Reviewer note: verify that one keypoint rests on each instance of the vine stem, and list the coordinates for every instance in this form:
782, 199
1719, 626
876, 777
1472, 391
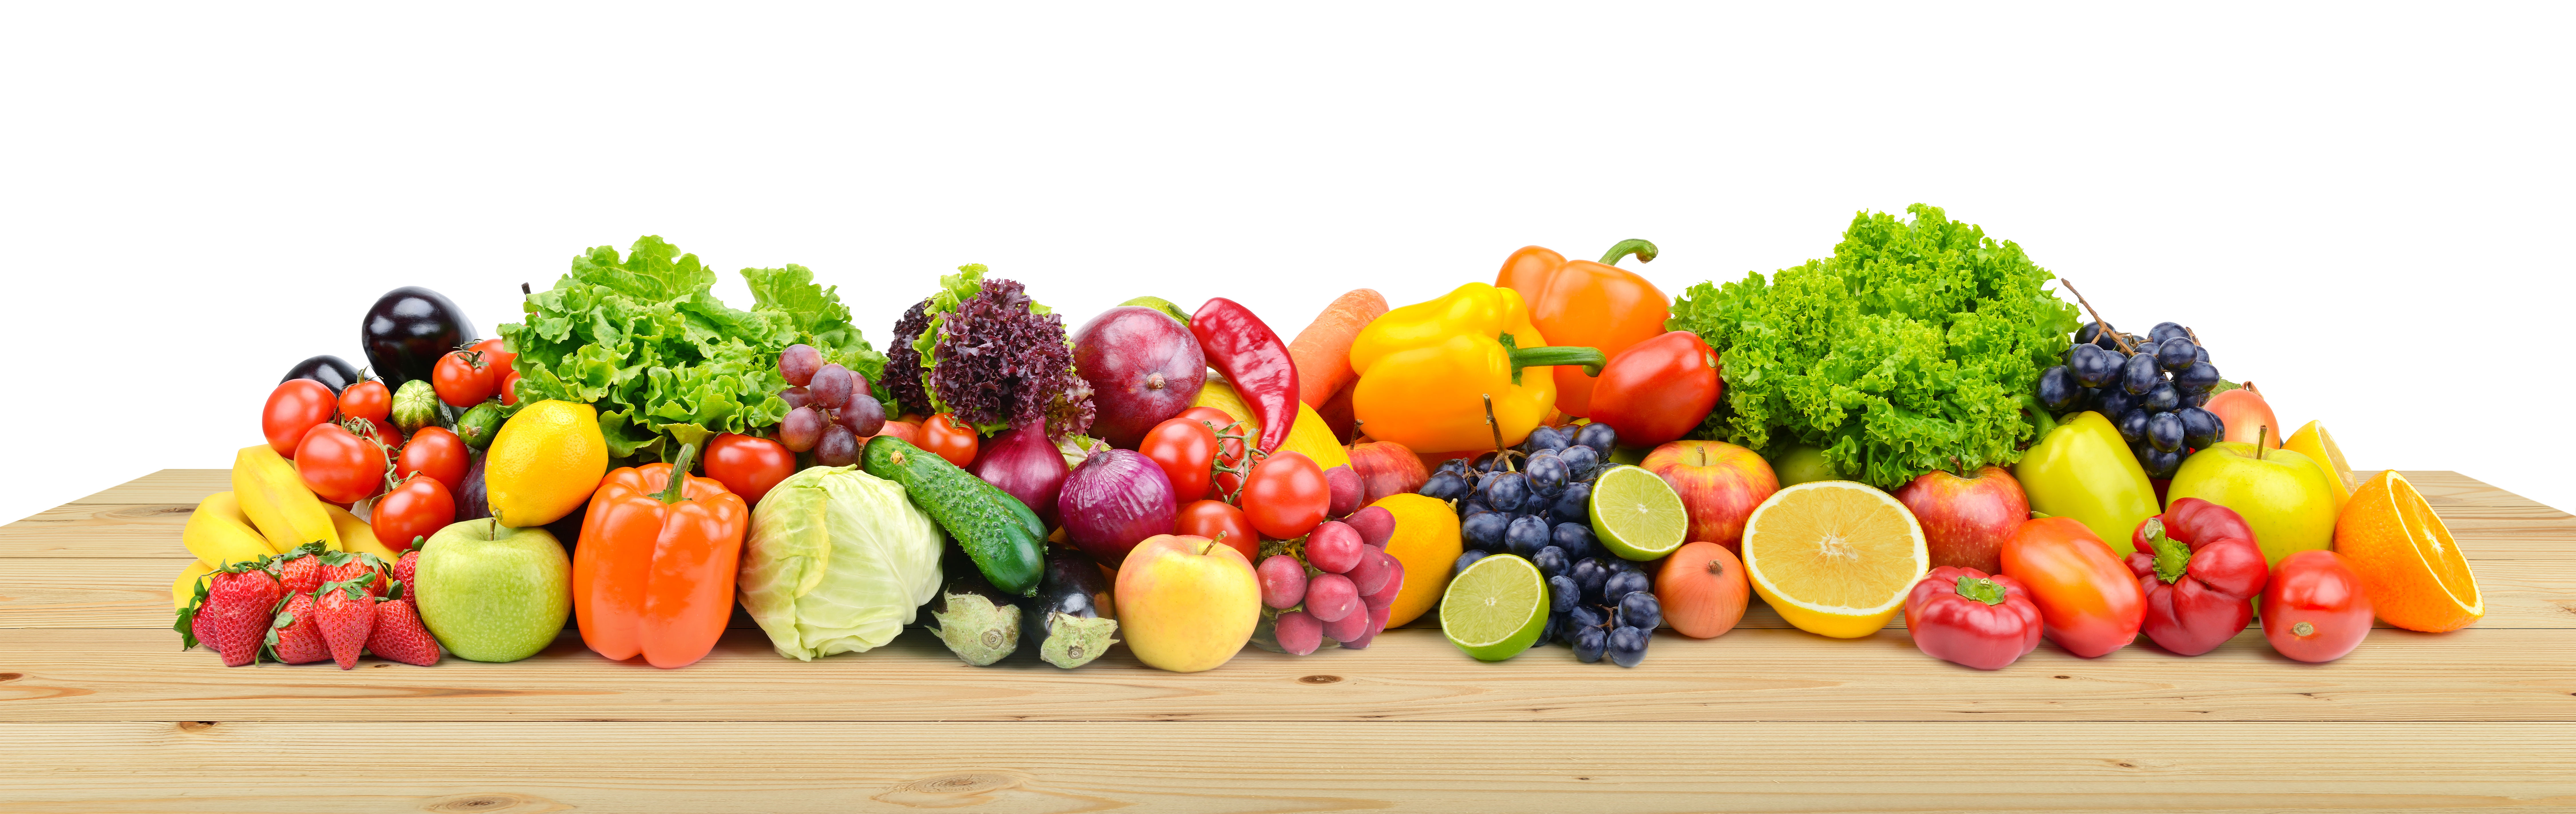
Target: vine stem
2116, 337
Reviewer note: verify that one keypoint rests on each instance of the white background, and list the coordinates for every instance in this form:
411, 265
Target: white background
2364, 211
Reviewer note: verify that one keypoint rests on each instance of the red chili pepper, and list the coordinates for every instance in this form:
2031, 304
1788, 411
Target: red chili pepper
1964, 616
2201, 569
1243, 348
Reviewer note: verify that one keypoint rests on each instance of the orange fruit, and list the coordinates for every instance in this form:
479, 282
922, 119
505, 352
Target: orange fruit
2408, 562
1426, 541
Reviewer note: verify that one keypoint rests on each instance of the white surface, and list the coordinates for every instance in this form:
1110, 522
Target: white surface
2363, 211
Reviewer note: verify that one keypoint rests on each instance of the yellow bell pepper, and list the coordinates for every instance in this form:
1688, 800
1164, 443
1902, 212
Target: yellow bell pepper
1426, 371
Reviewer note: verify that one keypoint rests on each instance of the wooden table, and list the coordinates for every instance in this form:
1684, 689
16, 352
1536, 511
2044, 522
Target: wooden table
100, 711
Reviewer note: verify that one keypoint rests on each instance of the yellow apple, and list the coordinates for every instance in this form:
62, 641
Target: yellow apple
2281, 494
1186, 603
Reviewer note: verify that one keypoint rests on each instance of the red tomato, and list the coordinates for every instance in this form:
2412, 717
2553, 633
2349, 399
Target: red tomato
438, 453
2088, 601
509, 389
389, 434
461, 378
945, 436
1215, 520
1184, 448
1229, 451
1657, 390
368, 400
338, 465
412, 511
748, 466
2314, 610
1286, 496
294, 408
493, 356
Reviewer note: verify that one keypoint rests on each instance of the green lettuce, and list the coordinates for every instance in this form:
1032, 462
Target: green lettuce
1911, 349
837, 560
644, 339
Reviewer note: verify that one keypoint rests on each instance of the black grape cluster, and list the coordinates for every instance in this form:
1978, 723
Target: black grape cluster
1535, 502
2151, 387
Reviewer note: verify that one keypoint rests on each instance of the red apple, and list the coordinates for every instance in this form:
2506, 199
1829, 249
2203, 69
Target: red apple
2245, 413
1966, 520
1719, 483
1386, 468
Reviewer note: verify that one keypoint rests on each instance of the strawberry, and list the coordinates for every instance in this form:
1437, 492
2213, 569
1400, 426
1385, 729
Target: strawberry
399, 635
231, 612
404, 568
343, 566
295, 636
300, 570
347, 618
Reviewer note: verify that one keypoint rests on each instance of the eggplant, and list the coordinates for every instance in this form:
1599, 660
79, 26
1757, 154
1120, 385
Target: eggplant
977, 621
408, 330
472, 503
1072, 617
332, 371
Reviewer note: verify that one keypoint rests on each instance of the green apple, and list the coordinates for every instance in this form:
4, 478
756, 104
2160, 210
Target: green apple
2283, 495
493, 593
1802, 464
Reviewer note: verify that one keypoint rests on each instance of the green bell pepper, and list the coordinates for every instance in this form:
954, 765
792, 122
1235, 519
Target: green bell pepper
2082, 469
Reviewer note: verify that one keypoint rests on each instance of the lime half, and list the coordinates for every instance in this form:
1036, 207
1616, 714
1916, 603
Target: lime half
1637, 515
1496, 608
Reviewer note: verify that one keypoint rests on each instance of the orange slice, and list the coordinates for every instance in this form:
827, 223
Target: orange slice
2407, 560
1835, 558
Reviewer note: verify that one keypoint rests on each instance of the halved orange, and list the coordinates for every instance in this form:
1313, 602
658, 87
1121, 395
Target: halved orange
1835, 558
2408, 562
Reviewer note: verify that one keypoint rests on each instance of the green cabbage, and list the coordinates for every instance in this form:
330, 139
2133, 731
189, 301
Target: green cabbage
837, 561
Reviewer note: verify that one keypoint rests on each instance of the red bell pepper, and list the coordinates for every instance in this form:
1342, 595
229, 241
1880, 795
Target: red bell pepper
655, 569
2088, 602
2201, 570
1963, 616
1243, 348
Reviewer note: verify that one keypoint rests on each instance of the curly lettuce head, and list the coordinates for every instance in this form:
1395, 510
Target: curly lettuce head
1911, 349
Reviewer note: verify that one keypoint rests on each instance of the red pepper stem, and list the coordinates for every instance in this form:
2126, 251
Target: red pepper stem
2173, 559
680, 474
1982, 590
1644, 251
1552, 355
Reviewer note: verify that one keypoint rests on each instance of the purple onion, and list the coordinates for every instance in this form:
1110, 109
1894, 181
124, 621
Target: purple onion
1115, 500
1025, 463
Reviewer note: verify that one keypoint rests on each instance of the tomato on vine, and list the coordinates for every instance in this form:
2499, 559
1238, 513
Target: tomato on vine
436, 452
1286, 496
368, 400
1216, 520
462, 378
294, 408
1226, 475
945, 436
338, 465
414, 509
1185, 449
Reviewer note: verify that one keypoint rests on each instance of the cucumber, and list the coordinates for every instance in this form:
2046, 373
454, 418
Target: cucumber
1007, 544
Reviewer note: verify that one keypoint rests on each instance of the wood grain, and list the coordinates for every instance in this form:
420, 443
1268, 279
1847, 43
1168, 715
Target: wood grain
527, 767
166, 486
2518, 675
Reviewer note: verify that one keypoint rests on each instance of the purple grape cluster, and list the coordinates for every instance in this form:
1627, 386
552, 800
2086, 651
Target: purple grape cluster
830, 407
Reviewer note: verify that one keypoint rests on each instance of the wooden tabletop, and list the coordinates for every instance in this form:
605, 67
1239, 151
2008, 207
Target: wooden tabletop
100, 711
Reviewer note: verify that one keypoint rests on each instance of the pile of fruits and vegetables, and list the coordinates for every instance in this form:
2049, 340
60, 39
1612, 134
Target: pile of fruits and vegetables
1924, 423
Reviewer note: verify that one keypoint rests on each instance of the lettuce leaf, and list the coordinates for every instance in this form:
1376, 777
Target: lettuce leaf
645, 340
1908, 350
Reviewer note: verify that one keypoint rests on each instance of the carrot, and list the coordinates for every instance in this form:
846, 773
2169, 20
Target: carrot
1322, 352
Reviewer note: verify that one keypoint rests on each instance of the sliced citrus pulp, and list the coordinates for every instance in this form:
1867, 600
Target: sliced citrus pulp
2408, 562
1835, 558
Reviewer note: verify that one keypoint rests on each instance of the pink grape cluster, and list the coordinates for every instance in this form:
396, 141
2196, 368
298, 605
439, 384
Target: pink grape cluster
1341, 589
830, 408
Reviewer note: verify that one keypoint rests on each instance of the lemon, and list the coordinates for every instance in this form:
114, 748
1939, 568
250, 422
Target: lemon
1637, 515
1835, 558
1496, 608
1426, 541
544, 463
2313, 441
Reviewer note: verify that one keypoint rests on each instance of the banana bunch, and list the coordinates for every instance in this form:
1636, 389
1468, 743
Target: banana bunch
269, 512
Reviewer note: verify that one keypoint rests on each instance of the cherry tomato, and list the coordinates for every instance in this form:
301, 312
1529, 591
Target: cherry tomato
338, 465
388, 433
1657, 390
1184, 448
2314, 609
945, 436
1286, 496
493, 356
748, 466
2088, 602
1216, 520
1229, 451
295, 408
438, 453
461, 378
413, 510
368, 400
509, 389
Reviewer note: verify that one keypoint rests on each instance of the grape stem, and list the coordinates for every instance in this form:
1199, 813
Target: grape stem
2116, 337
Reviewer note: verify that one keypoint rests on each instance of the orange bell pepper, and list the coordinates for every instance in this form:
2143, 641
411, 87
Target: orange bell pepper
654, 571
1587, 304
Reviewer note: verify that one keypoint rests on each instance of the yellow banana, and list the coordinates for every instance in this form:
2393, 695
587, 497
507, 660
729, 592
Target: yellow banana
219, 535
278, 503
356, 535
185, 587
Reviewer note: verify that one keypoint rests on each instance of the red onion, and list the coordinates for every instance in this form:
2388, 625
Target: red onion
1115, 500
1025, 463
